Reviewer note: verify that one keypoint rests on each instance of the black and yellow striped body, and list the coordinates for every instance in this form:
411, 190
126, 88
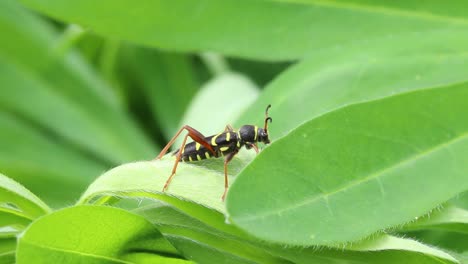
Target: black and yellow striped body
222, 143
227, 144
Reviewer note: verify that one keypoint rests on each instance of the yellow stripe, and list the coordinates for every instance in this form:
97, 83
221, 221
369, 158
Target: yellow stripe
198, 157
228, 136
238, 143
207, 155
197, 146
213, 140
256, 130
224, 148
190, 158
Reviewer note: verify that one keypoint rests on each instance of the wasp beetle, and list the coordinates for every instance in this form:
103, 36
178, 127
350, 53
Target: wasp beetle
226, 144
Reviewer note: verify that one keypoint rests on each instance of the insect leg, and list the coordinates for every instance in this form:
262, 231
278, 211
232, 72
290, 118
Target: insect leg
254, 146
179, 155
226, 161
194, 134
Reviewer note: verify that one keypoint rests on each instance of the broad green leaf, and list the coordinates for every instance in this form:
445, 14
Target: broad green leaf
322, 84
195, 190
357, 170
166, 81
34, 162
26, 205
93, 234
202, 182
273, 30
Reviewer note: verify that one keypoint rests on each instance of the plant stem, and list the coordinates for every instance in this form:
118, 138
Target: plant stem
215, 63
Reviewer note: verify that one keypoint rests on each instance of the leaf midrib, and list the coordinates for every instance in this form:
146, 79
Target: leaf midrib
371, 176
74, 252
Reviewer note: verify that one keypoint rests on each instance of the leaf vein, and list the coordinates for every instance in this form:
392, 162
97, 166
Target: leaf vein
372, 176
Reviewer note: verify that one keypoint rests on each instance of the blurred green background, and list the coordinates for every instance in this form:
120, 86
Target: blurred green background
74, 104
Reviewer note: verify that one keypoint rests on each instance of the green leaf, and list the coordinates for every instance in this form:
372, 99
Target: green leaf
32, 42
195, 190
463, 257
31, 97
40, 83
201, 234
26, 204
381, 249
446, 228
193, 182
93, 234
386, 242
357, 170
272, 30
166, 80
452, 241
202, 243
461, 200
322, 84
13, 217
37, 169
449, 219
7, 250
261, 72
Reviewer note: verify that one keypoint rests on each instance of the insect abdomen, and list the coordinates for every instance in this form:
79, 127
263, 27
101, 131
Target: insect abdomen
222, 144
194, 152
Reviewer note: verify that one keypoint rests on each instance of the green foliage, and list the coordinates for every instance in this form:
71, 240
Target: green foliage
273, 30
371, 159
369, 153
131, 238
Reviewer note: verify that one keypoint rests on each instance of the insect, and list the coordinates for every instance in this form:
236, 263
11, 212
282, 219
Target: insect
227, 144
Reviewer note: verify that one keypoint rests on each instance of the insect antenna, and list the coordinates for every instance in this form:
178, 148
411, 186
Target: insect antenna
267, 118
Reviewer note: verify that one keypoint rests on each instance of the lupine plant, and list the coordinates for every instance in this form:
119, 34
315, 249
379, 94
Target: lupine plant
368, 161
